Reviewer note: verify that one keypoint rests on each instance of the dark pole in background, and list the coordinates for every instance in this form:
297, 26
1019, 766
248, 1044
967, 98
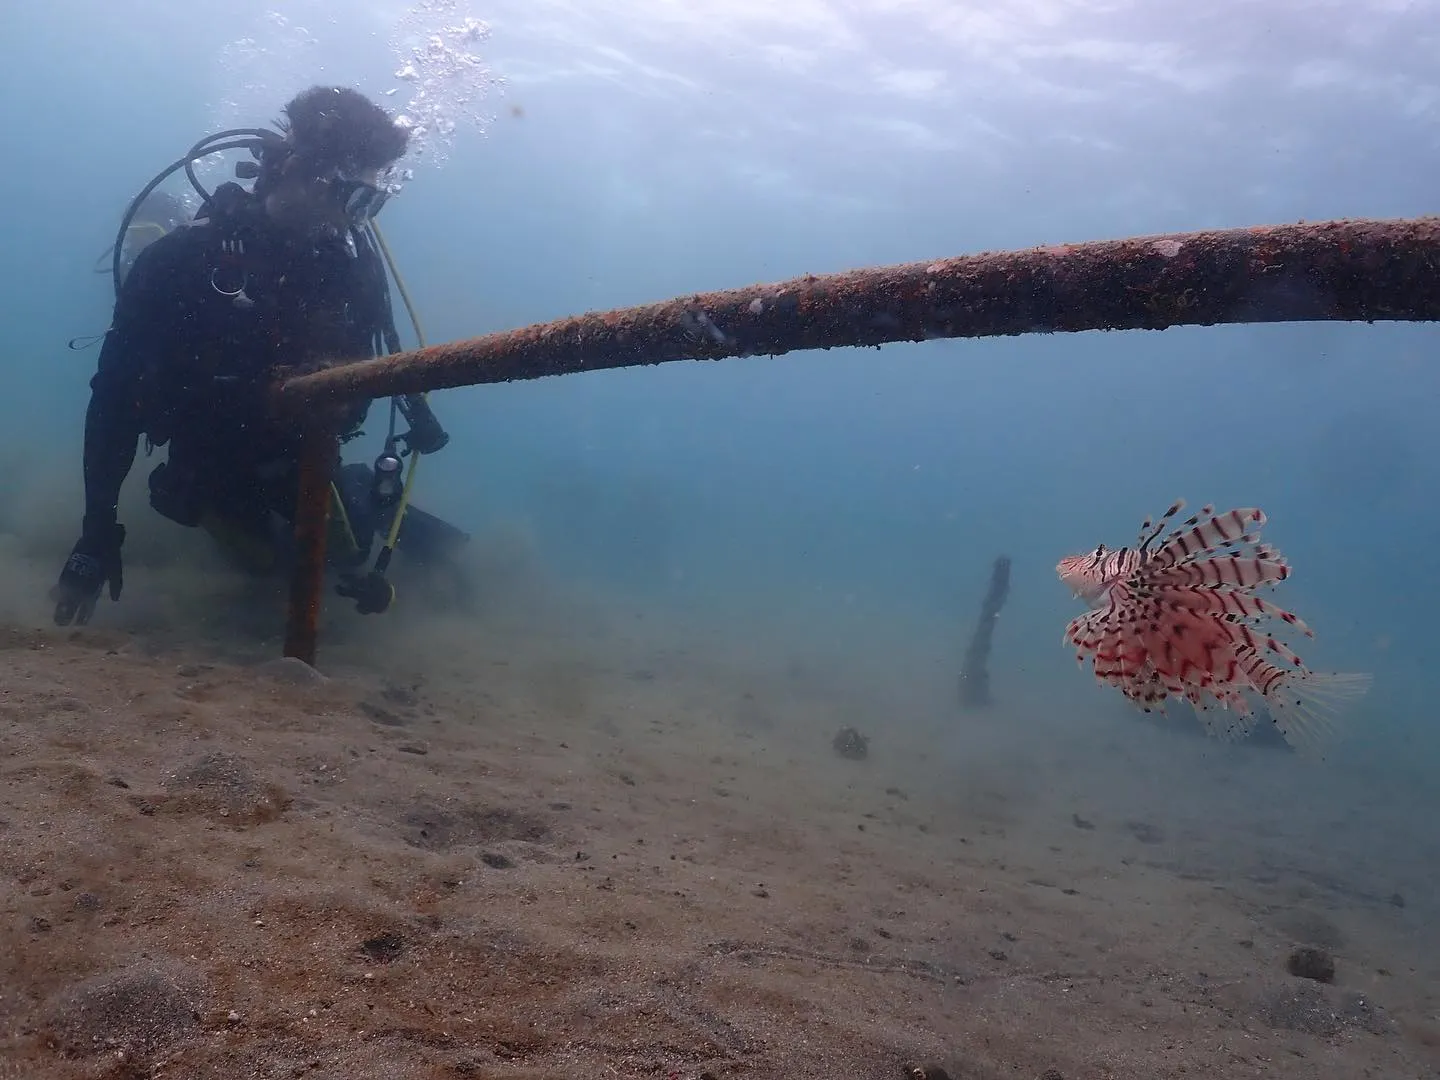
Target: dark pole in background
975, 673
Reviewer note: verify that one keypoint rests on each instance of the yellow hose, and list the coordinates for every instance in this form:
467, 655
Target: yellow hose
404, 503
399, 282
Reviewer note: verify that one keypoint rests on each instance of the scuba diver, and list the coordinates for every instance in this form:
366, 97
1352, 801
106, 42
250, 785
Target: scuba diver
287, 277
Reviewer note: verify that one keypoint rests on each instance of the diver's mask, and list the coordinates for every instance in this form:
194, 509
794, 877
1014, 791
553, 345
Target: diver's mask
362, 194
353, 195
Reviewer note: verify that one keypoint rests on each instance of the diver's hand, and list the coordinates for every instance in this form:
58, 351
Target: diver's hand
425, 436
93, 561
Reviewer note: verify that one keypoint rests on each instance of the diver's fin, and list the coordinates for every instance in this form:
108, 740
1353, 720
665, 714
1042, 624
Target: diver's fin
425, 538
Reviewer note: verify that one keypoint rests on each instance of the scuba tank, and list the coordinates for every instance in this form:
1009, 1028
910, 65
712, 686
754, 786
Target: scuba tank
158, 213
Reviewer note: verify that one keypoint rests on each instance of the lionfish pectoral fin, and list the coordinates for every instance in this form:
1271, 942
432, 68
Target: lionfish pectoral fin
1307, 707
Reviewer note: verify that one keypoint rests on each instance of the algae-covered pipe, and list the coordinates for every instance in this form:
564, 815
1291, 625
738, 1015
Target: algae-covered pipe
1357, 270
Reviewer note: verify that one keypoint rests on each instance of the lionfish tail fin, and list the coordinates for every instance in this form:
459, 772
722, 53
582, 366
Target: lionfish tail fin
1307, 706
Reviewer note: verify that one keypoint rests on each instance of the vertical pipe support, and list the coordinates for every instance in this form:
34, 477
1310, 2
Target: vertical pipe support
319, 451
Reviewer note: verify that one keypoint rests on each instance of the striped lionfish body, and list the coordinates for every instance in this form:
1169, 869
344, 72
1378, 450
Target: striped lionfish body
1181, 619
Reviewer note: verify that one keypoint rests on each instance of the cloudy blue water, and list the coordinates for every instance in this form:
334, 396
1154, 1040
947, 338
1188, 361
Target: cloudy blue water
615, 152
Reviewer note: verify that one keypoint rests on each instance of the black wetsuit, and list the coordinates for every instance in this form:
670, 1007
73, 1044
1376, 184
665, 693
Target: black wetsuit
205, 319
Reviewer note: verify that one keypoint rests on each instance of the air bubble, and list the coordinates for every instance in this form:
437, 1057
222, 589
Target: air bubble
444, 83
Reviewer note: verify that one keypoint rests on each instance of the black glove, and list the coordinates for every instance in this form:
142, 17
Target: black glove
425, 436
372, 593
93, 561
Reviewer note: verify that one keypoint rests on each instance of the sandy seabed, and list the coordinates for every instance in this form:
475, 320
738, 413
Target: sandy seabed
602, 851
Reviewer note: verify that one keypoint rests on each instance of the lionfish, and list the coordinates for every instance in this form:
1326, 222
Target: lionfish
1181, 619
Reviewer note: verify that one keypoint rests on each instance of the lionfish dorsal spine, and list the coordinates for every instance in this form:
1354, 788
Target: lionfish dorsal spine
1158, 526
1208, 534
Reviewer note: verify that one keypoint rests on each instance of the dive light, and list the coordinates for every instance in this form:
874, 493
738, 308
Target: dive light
388, 482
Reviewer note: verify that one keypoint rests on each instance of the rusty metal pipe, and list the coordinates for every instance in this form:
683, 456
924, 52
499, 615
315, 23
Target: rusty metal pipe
319, 451
1355, 270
